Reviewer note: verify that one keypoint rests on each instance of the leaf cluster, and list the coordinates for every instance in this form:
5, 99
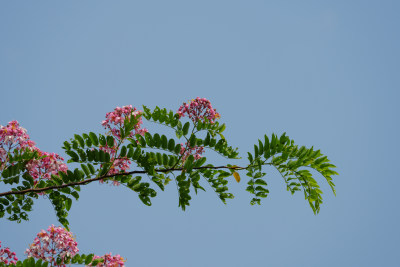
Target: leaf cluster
294, 164
77, 259
157, 160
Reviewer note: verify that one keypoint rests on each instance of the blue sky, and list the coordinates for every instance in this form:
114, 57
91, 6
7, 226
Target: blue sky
324, 72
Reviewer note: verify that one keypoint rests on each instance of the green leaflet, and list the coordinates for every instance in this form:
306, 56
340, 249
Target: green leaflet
75, 195
136, 154
85, 169
89, 258
67, 145
110, 141
102, 140
212, 142
177, 149
141, 140
185, 129
68, 203
260, 147
130, 152
157, 140
159, 158
73, 155
260, 182
192, 140
221, 128
147, 113
123, 151
171, 144
82, 155
207, 140
94, 139
172, 160
102, 156
90, 155
164, 142
165, 159
189, 163
149, 139
80, 140
88, 142
255, 151
200, 162
91, 168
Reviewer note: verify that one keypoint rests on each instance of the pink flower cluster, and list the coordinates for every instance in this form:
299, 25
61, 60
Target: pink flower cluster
119, 164
47, 164
186, 151
56, 243
14, 138
6, 256
198, 109
110, 261
115, 120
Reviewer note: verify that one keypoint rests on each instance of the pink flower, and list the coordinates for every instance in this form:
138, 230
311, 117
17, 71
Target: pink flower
47, 164
115, 120
110, 261
119, 164
186, 151
7, 256
14, 139
55, 244
198, 109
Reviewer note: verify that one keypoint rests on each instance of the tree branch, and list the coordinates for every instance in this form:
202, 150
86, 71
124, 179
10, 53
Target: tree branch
38, 190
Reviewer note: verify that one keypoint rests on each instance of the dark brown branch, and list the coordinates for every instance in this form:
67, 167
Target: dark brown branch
38, 190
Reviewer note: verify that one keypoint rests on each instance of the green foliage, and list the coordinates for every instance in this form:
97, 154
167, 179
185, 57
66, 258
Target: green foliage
85, 259
77, 259
293, 163
29, 262
157, 160
217, 180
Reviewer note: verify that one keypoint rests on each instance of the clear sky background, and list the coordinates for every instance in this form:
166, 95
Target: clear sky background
325, 72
